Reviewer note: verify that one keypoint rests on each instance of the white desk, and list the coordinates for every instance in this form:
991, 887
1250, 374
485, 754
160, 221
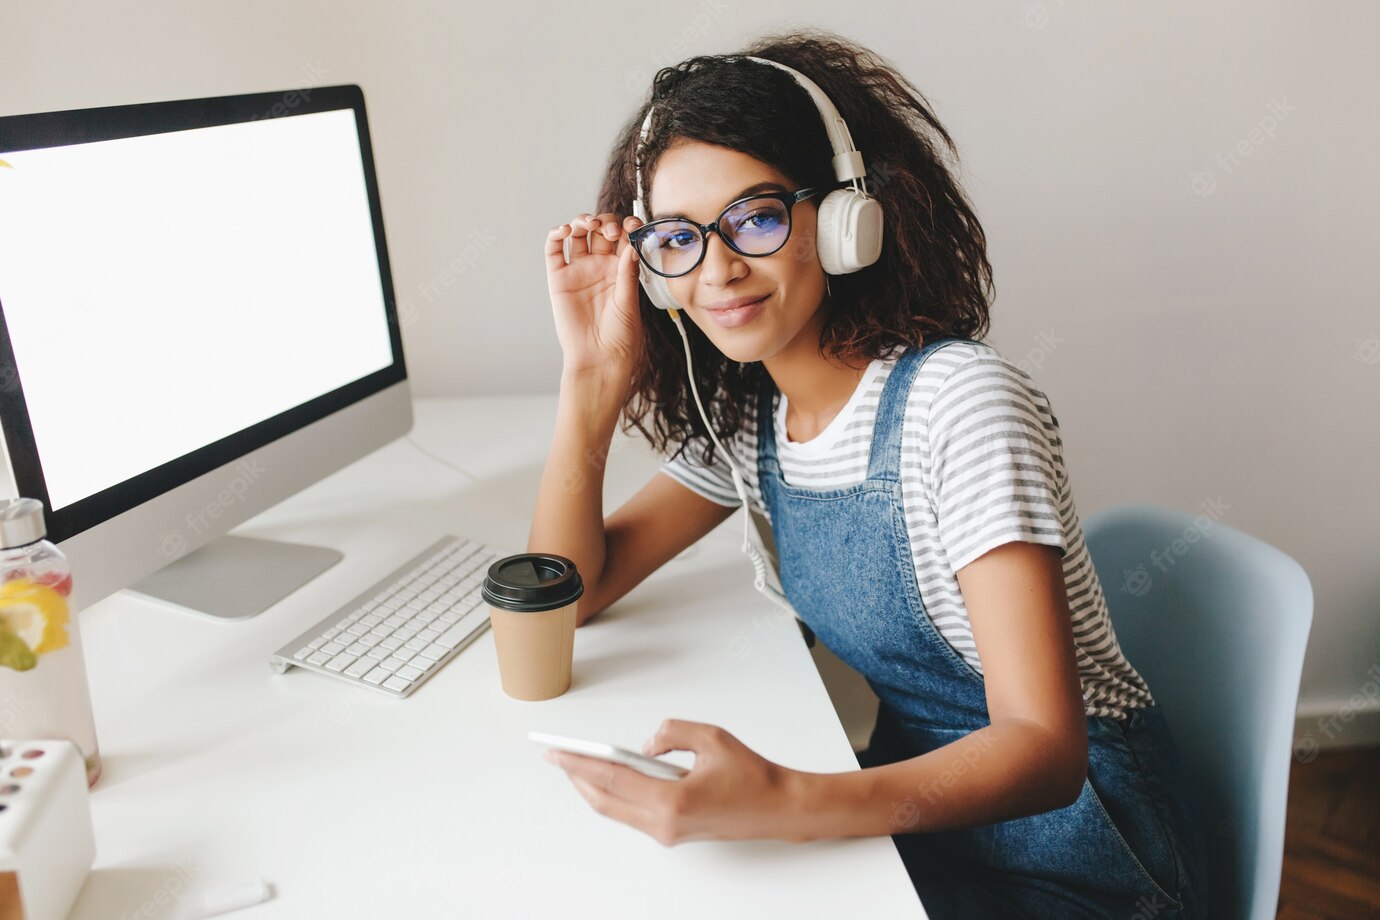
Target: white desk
355, 805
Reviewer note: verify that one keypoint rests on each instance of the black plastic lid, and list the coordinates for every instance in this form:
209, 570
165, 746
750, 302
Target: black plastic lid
532, 582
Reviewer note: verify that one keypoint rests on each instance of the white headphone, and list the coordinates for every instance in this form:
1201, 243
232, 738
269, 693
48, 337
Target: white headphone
849, 232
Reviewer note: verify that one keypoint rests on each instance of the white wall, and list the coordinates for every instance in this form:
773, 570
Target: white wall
1181, 199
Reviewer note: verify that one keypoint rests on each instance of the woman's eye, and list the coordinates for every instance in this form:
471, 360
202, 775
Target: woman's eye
760, 220
677, 240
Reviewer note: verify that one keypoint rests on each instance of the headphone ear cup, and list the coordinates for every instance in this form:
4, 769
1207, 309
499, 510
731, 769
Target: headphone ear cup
657, 290
848, 234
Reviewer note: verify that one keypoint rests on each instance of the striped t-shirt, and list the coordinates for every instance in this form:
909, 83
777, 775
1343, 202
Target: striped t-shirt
981, 465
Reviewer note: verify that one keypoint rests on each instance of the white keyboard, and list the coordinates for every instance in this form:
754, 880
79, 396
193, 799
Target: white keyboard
397, 634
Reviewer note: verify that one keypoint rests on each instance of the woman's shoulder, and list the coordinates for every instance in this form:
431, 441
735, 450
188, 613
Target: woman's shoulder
968, 369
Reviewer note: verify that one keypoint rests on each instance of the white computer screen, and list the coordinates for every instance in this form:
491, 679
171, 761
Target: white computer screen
165, 291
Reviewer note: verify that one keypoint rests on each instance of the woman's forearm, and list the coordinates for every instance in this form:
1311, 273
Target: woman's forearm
999, 772
569, 516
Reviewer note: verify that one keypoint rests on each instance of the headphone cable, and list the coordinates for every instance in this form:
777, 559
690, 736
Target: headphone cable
759, 564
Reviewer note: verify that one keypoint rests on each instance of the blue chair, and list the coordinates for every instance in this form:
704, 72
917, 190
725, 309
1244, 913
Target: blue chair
1216, 622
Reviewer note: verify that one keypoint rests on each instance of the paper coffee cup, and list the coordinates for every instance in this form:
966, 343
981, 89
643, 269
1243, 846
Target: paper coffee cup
532, 600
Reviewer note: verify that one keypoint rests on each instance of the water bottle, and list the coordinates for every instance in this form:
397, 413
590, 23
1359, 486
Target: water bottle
43, 688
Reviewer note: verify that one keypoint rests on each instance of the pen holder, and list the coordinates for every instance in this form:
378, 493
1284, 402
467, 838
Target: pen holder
46, 842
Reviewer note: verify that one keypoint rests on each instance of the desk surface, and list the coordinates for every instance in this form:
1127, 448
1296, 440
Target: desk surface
352, 804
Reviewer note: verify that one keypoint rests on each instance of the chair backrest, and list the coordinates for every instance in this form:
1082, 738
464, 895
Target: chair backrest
1216, 622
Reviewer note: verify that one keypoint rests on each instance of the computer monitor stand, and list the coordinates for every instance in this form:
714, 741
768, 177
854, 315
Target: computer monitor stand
234, 577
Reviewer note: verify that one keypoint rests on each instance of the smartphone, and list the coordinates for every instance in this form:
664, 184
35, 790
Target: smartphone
648, 766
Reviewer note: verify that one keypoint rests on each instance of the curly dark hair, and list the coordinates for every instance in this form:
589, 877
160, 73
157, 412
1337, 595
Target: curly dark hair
932, 279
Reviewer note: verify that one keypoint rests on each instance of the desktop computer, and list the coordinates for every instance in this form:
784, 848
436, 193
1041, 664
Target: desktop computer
197, 320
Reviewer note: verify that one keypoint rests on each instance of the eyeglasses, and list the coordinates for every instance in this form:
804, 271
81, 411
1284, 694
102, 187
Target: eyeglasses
754, 226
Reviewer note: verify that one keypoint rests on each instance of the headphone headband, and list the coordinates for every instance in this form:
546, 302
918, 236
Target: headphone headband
848, 159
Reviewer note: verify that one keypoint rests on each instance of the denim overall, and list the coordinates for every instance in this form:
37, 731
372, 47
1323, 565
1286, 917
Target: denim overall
1124, 849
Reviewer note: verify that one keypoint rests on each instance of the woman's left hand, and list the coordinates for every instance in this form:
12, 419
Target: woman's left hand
730, 794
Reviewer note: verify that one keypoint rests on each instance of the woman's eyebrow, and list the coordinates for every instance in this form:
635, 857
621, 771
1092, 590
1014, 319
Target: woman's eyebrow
750, 190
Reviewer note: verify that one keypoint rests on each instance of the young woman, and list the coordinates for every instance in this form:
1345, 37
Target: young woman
915, 484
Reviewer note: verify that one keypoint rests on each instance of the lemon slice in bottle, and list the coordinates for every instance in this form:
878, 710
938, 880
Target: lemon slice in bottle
35, 614
14, 653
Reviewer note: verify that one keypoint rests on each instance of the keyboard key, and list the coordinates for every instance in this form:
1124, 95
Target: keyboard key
303, 653
361, 667
357, 649
391, 664
434, 652
455, 635
378, 653
319, 658
409, 673
376, 676
391, 643
416, 644
396, 683
340, 662
333, 648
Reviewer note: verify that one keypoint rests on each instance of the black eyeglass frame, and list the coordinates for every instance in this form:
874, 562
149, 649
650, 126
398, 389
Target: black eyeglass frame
789, 199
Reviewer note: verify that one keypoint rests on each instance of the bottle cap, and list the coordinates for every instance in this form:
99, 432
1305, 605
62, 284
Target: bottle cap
532, 582
21, 522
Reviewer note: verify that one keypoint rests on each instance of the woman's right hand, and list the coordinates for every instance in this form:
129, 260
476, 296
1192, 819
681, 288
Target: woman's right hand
594, 297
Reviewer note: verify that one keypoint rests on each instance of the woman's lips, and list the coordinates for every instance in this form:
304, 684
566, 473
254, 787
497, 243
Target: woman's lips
737, 317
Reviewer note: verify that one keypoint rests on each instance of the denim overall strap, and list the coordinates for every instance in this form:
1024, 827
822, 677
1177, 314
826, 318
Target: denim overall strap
884, 462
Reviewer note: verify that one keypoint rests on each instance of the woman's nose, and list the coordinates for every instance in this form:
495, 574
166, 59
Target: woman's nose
721, 263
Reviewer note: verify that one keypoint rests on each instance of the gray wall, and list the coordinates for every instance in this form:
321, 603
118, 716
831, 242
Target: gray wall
1181, 200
